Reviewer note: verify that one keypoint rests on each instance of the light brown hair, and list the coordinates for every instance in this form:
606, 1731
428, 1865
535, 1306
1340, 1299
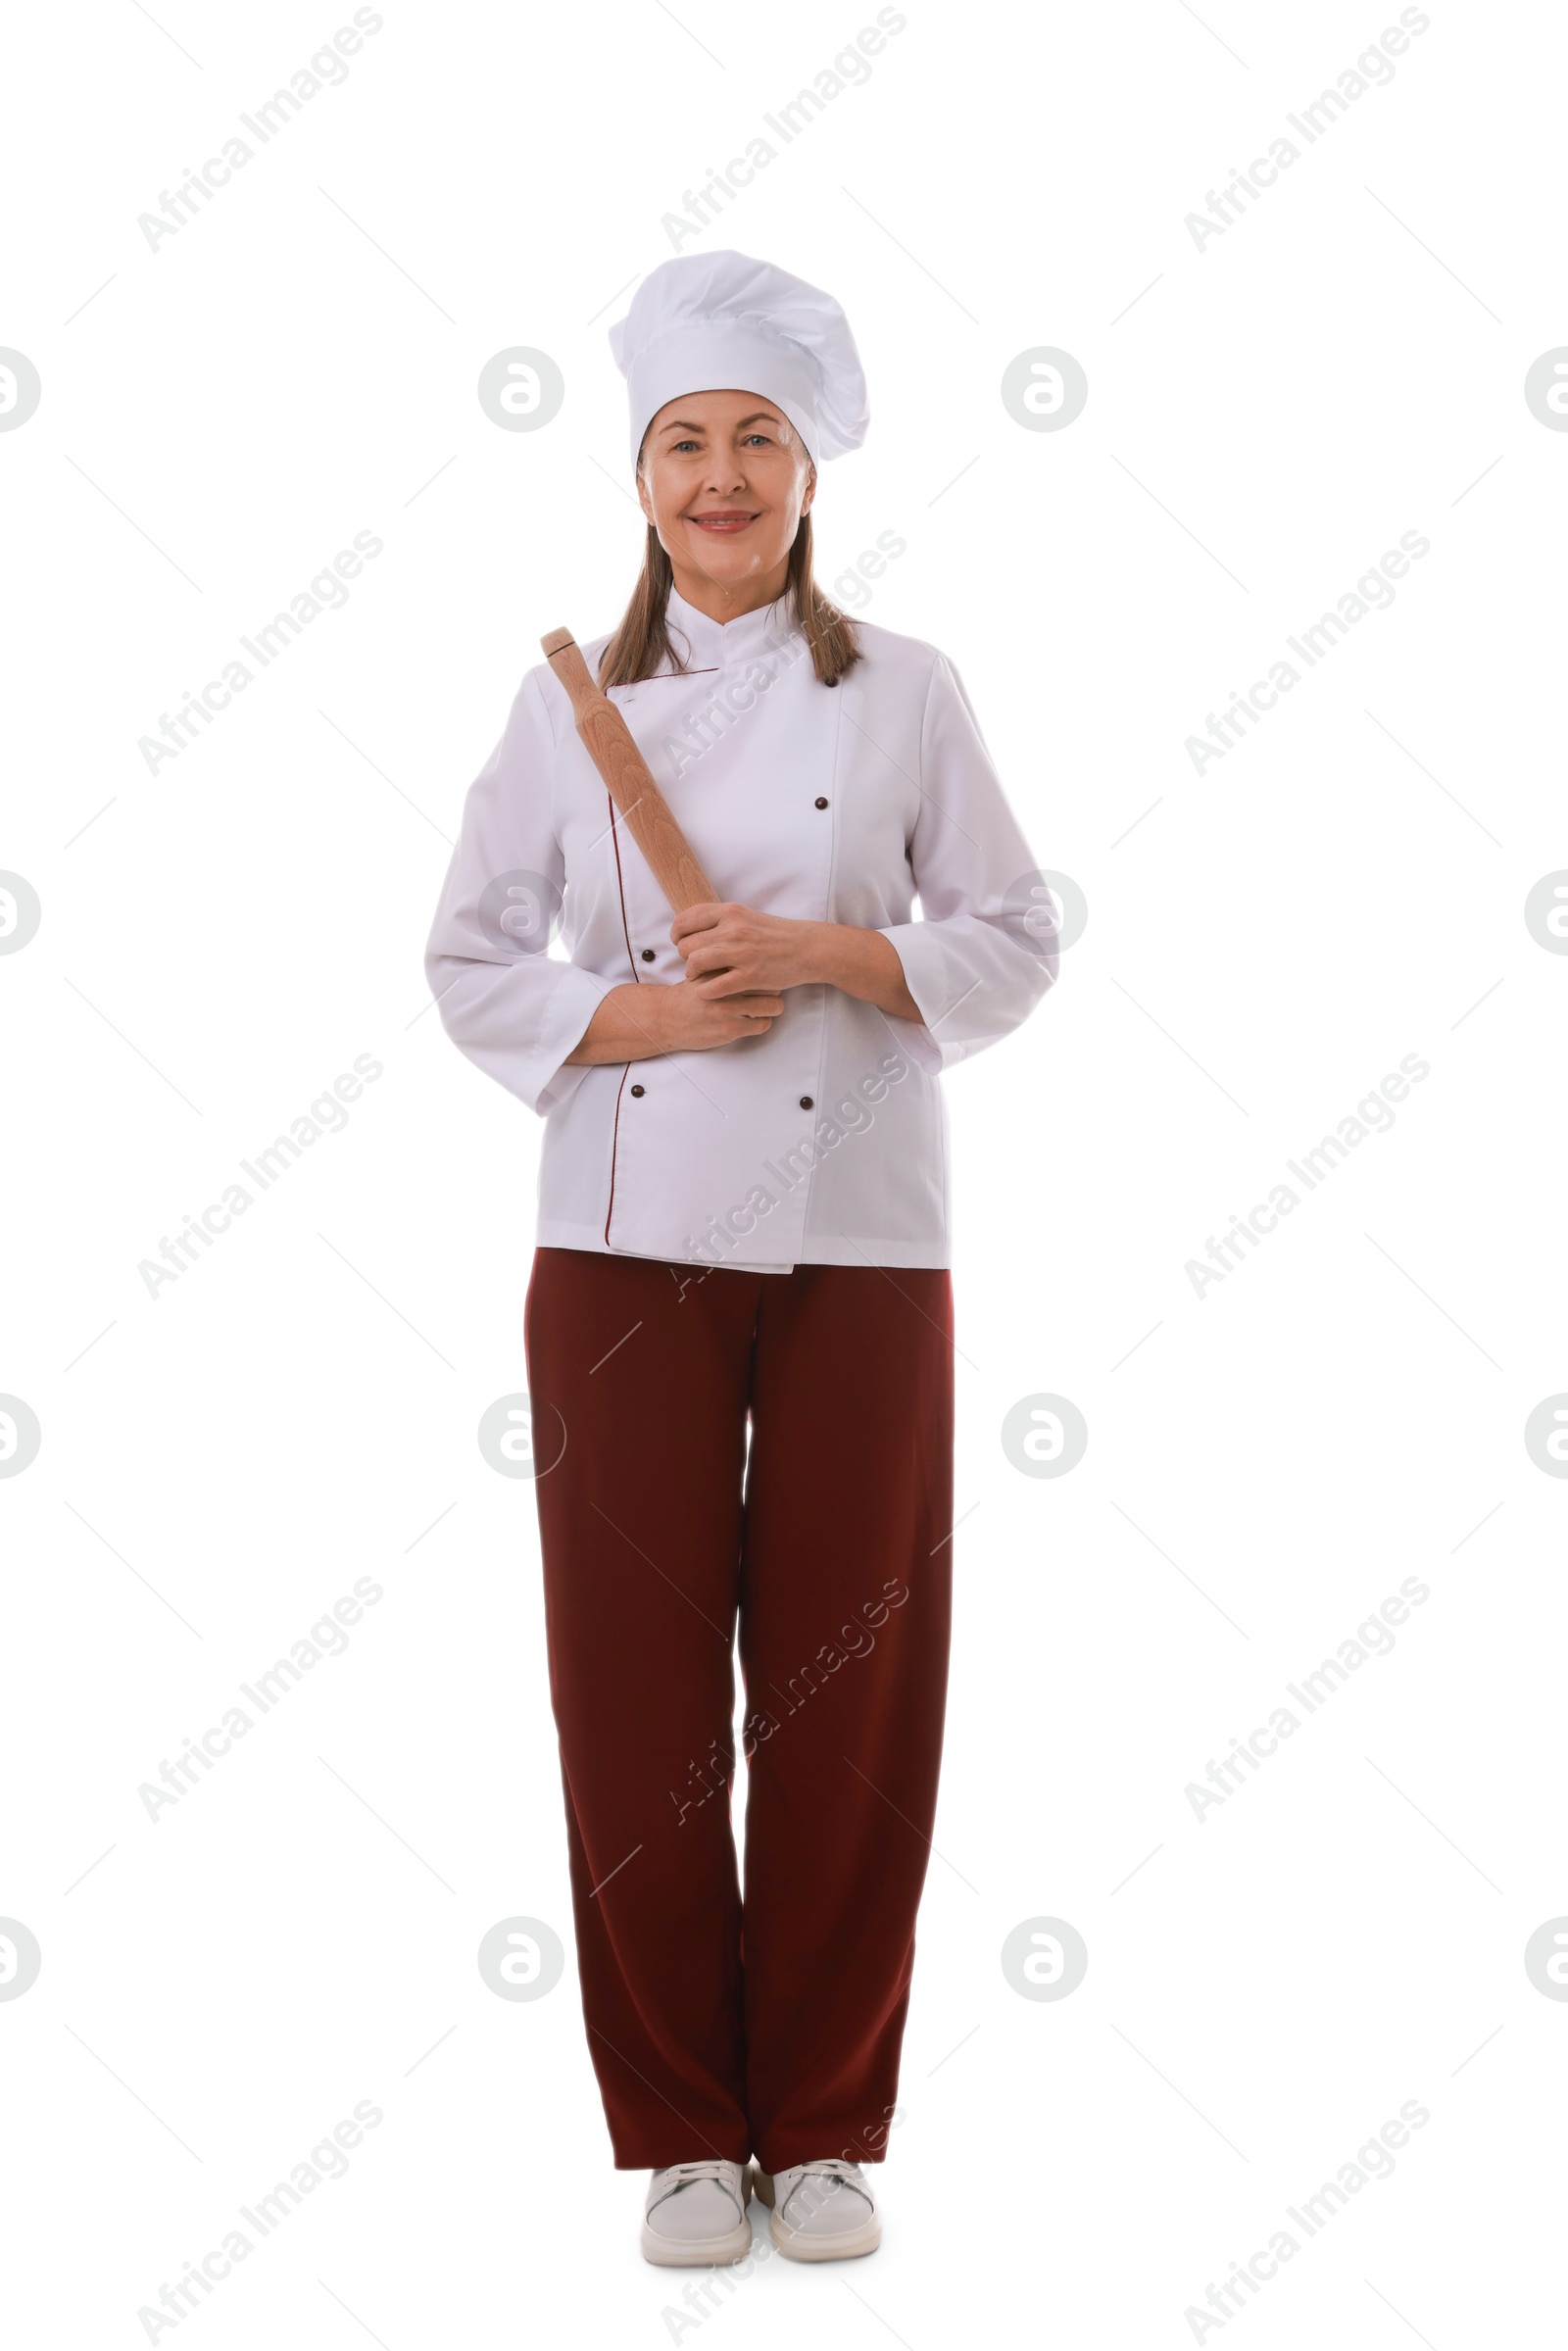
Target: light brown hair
642, 641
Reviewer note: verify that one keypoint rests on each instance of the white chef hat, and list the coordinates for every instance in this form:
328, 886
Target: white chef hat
722, 322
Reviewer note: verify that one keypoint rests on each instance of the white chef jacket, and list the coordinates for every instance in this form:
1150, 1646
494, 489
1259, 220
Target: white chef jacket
825, 1139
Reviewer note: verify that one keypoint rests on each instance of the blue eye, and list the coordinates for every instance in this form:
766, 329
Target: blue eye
676, 446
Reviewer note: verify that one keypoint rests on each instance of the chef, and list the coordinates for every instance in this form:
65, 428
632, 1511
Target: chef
739, 1321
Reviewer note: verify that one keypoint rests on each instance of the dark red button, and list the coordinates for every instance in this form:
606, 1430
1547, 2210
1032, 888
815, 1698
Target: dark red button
637, 1089
807, 1103
648, 954
821, 804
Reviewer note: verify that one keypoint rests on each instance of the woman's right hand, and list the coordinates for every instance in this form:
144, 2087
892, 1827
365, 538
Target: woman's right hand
691, 1022
638, 1020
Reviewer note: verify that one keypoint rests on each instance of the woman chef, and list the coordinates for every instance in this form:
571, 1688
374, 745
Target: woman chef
739, 1322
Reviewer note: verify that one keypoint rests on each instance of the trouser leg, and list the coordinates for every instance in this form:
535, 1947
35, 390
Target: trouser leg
640, 1530
845, 1621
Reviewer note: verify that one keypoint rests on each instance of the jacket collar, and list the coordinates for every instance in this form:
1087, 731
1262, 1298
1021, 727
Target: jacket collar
728, 644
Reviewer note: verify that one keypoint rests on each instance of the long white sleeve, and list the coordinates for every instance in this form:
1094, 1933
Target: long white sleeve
980, 958
514, 1009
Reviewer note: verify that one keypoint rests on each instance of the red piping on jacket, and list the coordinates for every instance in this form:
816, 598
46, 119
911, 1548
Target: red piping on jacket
614, 1134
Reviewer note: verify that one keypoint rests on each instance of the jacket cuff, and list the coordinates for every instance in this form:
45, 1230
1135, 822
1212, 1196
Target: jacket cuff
922, 962
573, 1001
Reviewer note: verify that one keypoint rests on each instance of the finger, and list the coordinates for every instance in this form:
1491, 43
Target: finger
700, 917
708, 950
703, 958
727, 981
740, 999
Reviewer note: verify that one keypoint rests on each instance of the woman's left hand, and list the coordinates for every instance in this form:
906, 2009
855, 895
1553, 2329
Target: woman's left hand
732, 949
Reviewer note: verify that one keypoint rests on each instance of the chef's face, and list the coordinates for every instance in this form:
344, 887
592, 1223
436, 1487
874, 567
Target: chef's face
725, 480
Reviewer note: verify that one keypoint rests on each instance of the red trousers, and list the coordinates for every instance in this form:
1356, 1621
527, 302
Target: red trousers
769, 2023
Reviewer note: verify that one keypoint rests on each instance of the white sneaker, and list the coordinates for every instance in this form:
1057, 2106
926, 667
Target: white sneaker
823, 2211
695, 2215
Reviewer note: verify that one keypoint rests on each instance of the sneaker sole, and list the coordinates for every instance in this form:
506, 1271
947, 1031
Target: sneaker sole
698, 2252
796, 2245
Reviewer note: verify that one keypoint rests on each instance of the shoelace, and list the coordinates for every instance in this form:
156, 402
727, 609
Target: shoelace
834, 2167
681, 2175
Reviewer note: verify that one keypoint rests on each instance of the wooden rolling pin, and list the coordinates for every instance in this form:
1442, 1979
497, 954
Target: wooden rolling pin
608, 740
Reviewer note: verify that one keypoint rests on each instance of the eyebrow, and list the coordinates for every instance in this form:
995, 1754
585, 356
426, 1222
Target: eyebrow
683, 424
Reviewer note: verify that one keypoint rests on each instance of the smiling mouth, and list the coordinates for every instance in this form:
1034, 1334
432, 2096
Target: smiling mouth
722, 525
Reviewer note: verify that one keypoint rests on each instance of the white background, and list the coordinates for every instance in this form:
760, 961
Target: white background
1266, 1464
